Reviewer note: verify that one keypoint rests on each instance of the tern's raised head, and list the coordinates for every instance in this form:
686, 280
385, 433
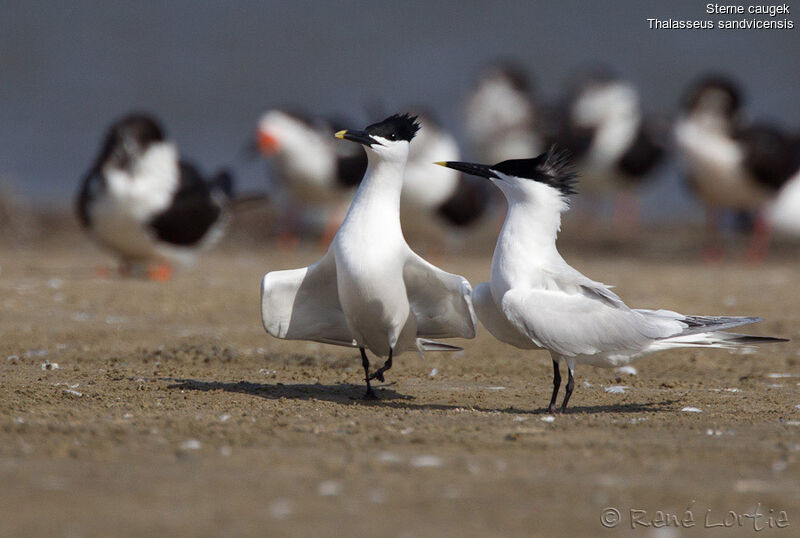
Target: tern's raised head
128, 139
550, 174
388, 137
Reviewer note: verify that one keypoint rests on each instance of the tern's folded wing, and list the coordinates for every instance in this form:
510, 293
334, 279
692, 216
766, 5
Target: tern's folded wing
495, 321
303, 304
576, 324
441, 301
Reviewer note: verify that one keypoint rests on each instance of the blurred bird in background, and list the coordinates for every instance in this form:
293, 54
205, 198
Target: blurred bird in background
437, 203
502, 119
615, 147
144, 204
314, 175
733, 164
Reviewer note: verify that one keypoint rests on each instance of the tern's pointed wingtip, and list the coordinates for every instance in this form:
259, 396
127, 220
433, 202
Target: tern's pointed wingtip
340, 134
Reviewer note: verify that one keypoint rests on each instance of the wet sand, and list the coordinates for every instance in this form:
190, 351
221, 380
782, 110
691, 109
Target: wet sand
135, 408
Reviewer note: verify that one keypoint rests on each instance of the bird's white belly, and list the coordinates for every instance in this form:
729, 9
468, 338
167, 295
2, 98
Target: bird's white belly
725, 186
122, 232
374, 301
716, 166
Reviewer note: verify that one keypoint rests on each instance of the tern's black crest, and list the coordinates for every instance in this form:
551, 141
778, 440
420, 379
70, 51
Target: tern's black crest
552, 168
396, 127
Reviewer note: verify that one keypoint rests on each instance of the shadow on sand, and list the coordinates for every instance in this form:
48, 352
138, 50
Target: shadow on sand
346, 393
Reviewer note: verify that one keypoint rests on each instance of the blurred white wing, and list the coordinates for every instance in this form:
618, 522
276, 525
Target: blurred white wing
441, 301
303, 304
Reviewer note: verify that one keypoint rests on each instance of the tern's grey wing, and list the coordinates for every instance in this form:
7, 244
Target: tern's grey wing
570, 279
578, 324
303, 304
441, 301
495, 321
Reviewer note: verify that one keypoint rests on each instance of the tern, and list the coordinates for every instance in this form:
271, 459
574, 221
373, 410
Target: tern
370, 290
535, 300
146, 205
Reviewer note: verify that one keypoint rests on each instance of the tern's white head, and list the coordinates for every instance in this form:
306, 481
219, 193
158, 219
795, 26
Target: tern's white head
387, 140
545, 181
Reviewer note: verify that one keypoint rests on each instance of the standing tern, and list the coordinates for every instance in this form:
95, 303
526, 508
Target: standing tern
370, 290
535, 300
143, 203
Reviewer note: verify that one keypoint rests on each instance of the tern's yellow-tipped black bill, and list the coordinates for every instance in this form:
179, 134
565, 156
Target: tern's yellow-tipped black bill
480, 170
362, 137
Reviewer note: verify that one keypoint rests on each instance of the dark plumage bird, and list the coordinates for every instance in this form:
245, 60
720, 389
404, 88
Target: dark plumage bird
502, 117
606, 132
736, 165
615, 147
310, 168
145, 205
437, 199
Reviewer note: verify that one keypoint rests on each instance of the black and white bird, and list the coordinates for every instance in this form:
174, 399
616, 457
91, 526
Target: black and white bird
502, 118
614, 146
736, 165
437, 200
314, 171
370, 290
144, 204
535, 300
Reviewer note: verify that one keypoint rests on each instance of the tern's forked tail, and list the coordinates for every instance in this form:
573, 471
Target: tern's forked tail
709, 331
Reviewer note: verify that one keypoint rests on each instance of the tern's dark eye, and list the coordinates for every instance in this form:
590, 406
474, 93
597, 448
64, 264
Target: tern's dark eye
393, 136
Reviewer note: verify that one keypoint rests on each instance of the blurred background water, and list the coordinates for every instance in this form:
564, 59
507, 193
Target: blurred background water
209, 69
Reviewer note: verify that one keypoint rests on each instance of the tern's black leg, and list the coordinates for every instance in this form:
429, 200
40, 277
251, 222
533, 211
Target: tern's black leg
556, 386
369, 395
568, 392
378, 374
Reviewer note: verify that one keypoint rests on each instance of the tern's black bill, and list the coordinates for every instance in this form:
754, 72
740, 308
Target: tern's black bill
480, 170
362, 137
